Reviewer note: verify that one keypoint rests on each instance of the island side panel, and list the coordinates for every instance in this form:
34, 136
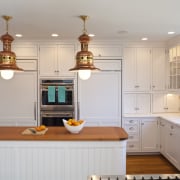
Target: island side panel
41, 160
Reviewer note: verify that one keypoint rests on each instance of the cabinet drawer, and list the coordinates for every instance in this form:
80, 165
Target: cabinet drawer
131, 122
132, 129
133, 137
133, 146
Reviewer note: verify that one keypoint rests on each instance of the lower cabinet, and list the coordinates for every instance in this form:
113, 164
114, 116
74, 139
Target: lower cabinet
169, 140
149, 135
143, 134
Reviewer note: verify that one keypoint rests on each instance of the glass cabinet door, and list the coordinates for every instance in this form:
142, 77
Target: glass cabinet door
174, 65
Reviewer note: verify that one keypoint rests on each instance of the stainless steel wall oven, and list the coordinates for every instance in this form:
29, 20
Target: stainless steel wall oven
56, 101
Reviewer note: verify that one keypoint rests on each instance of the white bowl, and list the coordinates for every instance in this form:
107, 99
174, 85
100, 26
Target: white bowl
73, 129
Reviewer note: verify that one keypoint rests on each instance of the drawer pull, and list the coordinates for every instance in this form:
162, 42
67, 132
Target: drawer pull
131, 137
131, 121
131, 128
131, 146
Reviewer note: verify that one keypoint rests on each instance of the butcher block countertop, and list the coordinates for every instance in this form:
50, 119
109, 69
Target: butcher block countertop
61, 134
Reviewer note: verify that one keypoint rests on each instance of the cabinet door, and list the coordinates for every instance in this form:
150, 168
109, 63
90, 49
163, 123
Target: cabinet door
19, 100
66, 59
158, 69
163, 134
172, 147
149, 135
136, 103
129, 104
159, 103
143, 69
173, 103
106, 51
48, 60
25, 51
100, 99
129, 69
143, 103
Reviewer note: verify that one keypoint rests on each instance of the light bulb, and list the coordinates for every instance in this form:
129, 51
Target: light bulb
7, 74
84, 74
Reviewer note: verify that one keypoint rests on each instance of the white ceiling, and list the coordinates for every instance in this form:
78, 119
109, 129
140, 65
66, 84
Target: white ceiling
37, 19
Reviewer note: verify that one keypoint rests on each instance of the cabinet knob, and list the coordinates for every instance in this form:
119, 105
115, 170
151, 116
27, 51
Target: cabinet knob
153, 86
170, 134
131, 146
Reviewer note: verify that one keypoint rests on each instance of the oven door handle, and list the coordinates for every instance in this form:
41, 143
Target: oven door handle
35, 111
57, 115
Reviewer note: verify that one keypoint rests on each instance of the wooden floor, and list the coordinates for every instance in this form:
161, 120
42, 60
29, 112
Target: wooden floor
149, 164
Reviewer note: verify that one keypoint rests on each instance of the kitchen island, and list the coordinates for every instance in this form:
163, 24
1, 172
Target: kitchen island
59, 155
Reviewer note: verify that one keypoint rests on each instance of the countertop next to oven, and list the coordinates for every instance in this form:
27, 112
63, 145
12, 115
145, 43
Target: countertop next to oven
171, 117
61, 134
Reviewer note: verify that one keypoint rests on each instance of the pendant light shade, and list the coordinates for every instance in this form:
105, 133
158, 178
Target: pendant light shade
7, 57
84, 58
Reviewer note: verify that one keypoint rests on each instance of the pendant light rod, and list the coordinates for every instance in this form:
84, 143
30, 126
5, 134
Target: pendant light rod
7, 18
84, 18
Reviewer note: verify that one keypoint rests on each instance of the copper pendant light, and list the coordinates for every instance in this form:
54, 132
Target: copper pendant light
7, 57
84, 58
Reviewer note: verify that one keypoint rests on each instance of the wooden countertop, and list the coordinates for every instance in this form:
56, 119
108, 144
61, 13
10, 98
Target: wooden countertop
61, 134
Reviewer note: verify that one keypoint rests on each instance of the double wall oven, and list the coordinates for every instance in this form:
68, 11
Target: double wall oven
56, 101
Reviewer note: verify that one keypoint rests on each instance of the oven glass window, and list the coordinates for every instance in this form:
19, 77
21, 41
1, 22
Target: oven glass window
53, 121
68, 98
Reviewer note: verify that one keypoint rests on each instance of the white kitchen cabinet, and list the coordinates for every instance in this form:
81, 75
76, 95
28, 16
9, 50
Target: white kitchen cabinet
163, 134
136, 103
19, 97
102, 51
137, 68
158, 69
56, 60
162, 102
131, 125
174, 63
170, 134
99, 98
25, 51
143, 134
149, 135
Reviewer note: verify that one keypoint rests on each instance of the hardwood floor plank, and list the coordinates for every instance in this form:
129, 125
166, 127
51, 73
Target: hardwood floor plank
149, 164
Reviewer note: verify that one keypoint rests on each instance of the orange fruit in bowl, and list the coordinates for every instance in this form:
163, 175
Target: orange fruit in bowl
40, 128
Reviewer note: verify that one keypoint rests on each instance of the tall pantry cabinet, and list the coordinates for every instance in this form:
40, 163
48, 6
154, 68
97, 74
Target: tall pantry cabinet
19, 95
144, 74
99, 97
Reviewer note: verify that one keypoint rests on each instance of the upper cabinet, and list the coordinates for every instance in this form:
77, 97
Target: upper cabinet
106, 51
165, 103
144, 69
174, 65
136, 103
137, 69
56, 60
25, 51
